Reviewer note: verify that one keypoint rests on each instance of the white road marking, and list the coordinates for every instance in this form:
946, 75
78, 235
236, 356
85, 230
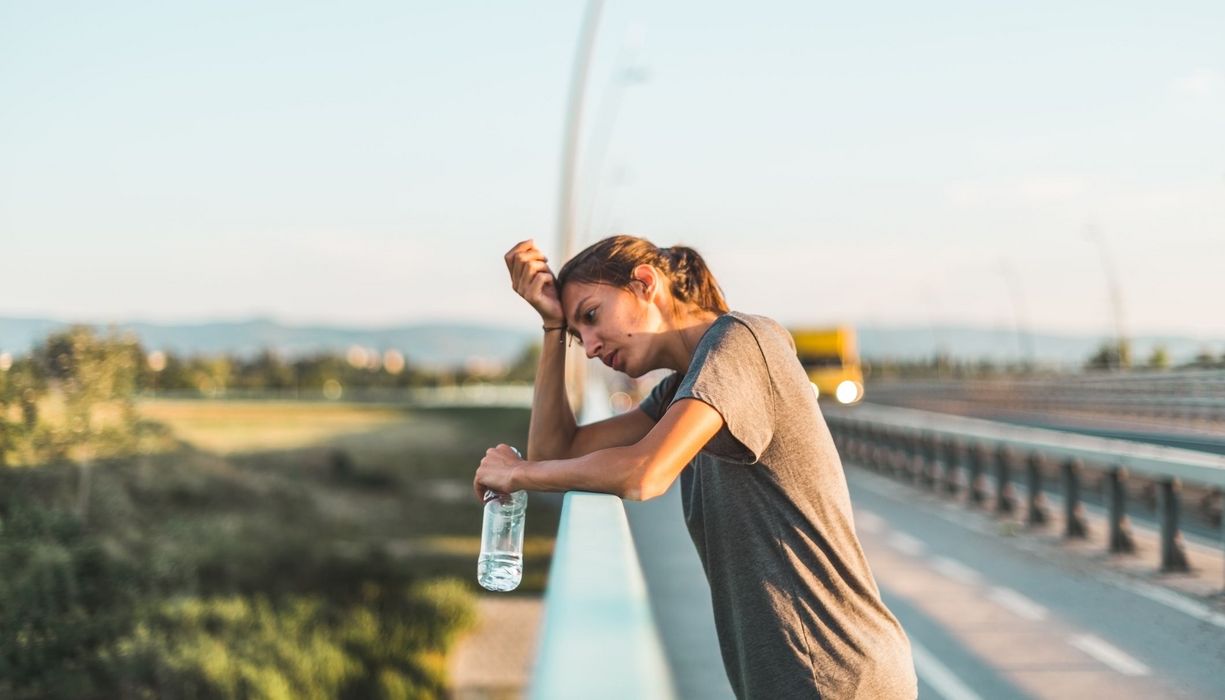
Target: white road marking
1108, 654
938, 676
957, 571
1017, 604
1169, 599
1154, 593
867, 521
906, 544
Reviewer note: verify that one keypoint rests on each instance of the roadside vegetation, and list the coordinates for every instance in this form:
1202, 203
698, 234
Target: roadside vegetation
221, 549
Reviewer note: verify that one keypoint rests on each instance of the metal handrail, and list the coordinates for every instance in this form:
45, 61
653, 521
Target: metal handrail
598, 638
1152, 460
951, 454
1195, 395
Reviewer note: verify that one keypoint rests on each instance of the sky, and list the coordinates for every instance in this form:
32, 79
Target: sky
369, 162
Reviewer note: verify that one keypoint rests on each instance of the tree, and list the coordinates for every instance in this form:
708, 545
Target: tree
1204, 359
1160, 359
523, 369
88, 370
1111, 354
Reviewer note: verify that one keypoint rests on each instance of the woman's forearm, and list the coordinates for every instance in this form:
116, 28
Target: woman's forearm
617, 470
641, 471
553, 427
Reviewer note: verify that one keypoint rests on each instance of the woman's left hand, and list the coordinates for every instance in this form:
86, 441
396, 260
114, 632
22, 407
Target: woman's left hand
496, 472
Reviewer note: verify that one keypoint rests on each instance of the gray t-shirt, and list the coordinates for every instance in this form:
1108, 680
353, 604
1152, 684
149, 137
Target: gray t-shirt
797, 611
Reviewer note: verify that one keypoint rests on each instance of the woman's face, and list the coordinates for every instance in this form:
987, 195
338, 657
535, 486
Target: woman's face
615, 324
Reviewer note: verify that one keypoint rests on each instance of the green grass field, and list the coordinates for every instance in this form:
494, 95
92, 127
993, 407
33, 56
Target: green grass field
260, 549
398, 476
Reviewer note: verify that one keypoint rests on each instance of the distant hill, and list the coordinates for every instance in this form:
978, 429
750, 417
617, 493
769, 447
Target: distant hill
450, 344
428, 344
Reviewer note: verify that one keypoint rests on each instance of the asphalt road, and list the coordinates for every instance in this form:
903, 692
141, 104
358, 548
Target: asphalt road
989, 614
998, 615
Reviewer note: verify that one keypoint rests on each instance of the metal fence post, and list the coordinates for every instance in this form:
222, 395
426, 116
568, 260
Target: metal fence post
910, 450
878, 445
952, 462
882, 447
1036, 513
1005, 504
929, 465
977, 495
869, 447
890, 453
1173, 553
1121, 541
914, 458
1074, 525
865, 449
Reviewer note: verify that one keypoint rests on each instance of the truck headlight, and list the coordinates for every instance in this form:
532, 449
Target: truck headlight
848, 392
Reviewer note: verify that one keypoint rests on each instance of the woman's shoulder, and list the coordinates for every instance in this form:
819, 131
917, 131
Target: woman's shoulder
739, 332
763, 328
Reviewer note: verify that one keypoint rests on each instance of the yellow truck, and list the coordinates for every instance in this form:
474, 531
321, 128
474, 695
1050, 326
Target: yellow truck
831, 358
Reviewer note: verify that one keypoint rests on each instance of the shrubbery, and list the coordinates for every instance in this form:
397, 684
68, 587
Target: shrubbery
196, 594
127, 572
390, 645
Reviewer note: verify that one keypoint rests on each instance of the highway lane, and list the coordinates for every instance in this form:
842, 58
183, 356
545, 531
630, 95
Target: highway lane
990, 615
1007, 616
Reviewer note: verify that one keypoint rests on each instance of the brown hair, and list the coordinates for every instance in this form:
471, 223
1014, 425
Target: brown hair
612, 261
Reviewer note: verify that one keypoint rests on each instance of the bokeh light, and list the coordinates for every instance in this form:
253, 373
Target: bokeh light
157, 360
393, 361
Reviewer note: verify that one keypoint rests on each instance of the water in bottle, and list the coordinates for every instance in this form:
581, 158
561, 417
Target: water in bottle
500, 567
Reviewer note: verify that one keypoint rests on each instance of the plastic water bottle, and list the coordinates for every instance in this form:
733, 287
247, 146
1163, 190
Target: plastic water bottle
500, 567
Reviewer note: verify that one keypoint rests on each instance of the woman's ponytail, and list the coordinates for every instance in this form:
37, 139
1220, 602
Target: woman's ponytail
692, 280
612, 261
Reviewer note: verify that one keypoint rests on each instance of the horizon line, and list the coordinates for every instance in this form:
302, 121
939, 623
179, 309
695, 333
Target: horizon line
257, 317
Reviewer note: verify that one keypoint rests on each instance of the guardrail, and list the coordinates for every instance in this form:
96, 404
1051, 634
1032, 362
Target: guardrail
1185, 395
598, 638
952, 454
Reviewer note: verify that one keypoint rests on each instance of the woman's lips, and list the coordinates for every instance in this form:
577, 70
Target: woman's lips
611, 359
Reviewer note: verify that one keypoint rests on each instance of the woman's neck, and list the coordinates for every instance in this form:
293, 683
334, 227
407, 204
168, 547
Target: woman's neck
684, 337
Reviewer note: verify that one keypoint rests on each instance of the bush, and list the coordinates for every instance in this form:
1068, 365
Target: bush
214, 586
390, 646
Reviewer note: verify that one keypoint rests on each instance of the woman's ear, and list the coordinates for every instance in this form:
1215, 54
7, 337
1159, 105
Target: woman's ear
647, 278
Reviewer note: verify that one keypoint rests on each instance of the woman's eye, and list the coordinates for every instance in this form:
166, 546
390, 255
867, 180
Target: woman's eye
590, 316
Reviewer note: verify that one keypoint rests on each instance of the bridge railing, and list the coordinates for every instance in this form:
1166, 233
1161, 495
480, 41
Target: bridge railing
951, 454
1191, 395
598, 638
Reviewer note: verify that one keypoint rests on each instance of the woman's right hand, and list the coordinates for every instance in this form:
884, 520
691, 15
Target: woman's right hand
533, 280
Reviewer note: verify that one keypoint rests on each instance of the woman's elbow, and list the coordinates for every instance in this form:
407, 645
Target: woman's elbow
645, 486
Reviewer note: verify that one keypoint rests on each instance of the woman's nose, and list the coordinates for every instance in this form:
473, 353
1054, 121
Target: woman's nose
592, 345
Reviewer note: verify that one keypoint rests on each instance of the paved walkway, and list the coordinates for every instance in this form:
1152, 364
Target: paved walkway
680, 596
494, 660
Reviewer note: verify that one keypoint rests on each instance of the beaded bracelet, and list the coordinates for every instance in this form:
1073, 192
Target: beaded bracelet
561, 328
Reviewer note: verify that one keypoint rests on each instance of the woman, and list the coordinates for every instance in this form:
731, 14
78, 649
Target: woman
797, 611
